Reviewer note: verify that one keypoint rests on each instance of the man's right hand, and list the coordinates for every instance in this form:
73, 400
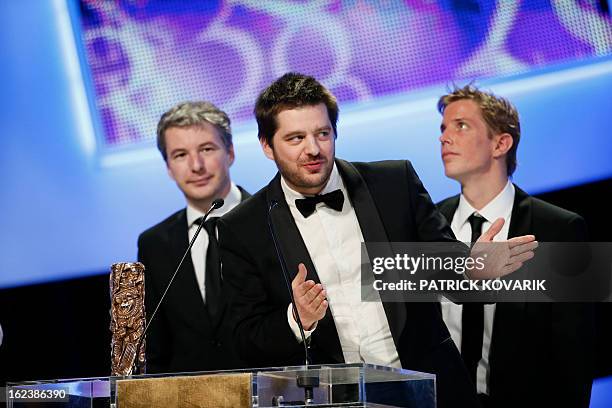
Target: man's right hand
309, 299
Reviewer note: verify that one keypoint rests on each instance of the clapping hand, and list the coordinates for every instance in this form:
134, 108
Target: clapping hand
310, 299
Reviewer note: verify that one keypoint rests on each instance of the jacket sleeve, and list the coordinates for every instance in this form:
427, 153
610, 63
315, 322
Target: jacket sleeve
432, 226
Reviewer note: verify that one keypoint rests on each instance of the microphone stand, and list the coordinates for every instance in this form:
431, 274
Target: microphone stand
308, 382
217, 203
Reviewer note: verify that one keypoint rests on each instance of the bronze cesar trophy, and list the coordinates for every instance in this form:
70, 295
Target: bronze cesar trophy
127, 291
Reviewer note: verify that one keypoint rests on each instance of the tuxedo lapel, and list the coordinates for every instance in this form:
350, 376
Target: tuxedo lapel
219, 317
293, 249
372, 230
290, 240
520, 223
185, 282
510, 316
243, 194
367, 214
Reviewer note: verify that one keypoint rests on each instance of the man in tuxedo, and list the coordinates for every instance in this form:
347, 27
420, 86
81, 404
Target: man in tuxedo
190, 330
322, 208
517, 354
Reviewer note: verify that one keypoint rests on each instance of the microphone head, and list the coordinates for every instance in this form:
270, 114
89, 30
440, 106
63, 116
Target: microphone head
217, 203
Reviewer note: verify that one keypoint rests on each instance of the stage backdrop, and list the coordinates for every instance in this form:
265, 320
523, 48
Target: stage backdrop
85, 83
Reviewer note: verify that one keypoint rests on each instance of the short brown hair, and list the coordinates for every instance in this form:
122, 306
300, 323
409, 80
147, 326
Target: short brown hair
499, 114
188, 114
290, 91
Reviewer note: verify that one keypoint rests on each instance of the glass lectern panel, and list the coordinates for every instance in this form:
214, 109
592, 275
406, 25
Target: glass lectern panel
336, 385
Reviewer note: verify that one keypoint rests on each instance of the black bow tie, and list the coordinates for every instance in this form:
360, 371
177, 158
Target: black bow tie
333, 200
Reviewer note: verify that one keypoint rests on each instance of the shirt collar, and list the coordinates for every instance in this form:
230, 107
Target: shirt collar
334, 183
500, 206
231, 200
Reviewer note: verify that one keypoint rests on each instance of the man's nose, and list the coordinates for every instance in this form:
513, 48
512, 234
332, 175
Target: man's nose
198, 164
444, 137
312, 146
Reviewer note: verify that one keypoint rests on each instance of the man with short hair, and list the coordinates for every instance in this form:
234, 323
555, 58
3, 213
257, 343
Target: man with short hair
190, 330
322, 209
517, 354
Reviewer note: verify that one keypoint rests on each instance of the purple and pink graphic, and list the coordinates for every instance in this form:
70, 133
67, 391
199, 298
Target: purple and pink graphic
145, 56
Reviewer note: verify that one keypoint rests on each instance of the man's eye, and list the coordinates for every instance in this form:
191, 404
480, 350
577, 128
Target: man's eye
324, 133
179, 155
462, 125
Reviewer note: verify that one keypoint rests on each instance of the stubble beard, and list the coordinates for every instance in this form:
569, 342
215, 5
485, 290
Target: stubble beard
298, 181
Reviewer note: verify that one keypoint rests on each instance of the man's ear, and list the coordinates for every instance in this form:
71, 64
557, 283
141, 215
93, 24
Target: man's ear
503, 144
267, 148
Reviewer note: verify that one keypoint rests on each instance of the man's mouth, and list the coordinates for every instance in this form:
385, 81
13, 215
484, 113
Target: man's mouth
201, 181
314, 166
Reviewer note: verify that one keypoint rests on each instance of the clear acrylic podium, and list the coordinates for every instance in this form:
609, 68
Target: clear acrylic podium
336, 385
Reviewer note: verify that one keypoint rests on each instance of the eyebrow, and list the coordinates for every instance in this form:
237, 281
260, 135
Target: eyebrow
183, 149
209, 143
301, 132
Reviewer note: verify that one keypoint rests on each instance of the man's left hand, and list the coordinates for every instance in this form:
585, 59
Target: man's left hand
503, 257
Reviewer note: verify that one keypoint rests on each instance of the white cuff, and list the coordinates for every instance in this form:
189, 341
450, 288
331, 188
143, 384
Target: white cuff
294, 326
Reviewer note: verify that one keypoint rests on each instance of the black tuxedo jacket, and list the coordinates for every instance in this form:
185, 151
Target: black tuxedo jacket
391, 204
541, 353
183, 336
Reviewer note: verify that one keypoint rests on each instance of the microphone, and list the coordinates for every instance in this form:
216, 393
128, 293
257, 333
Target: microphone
217, 203
281, 259
304, 380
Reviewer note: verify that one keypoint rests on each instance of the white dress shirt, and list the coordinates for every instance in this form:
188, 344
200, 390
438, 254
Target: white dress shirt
499, 207
333, 240
200, 246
